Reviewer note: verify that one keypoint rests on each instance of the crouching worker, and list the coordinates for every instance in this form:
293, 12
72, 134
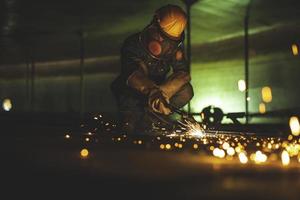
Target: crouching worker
145, 87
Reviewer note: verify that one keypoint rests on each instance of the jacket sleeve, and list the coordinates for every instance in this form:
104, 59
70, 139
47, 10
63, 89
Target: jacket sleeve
180, 75
179, 62
130, 59
134, 69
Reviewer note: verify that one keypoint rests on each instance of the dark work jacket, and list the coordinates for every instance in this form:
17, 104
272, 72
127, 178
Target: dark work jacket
134, 51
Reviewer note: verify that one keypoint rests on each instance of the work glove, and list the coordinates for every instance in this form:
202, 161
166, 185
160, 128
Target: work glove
158, 102
174, 83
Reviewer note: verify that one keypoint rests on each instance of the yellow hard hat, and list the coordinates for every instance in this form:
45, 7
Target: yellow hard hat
172, 20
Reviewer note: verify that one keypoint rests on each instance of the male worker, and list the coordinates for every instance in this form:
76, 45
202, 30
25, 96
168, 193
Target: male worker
143, 90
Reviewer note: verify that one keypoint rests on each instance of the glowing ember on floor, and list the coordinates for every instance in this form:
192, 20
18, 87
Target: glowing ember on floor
84, 153
228, 146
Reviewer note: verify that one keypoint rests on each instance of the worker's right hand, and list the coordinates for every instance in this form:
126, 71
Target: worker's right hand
158, 102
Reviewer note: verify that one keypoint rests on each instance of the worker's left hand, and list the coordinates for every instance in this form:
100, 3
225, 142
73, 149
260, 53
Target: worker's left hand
158, 102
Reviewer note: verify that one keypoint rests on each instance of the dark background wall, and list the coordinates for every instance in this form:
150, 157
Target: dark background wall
60, 56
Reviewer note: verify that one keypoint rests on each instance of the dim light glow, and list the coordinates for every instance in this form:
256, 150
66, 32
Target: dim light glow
294, 125
84, 153
7, 105
295, 49
242, 85
67, 136
196, 133
266, 93
225, 145
262, 108
238, 149
230, 151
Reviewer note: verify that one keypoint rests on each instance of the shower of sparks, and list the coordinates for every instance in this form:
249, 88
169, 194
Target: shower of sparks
189, 135
189, 128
